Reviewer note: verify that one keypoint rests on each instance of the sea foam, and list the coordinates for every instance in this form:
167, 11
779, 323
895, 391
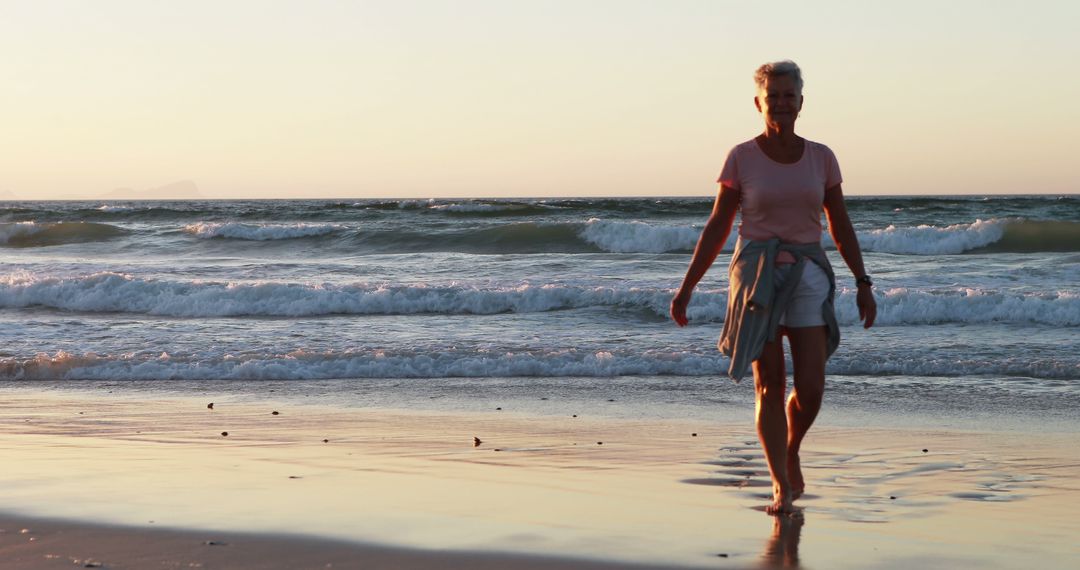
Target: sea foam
999, 235
931, 240
259, 232
483, 363
114, 292
640, 237
903, 306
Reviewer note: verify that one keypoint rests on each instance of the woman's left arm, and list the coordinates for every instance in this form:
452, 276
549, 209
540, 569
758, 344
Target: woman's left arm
847, 243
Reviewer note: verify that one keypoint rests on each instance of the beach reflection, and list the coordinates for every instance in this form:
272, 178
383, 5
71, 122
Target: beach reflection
782, 548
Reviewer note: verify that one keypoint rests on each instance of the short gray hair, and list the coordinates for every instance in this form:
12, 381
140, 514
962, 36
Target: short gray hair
776, 69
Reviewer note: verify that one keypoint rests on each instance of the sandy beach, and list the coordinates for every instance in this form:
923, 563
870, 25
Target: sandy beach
134, 481
421, 284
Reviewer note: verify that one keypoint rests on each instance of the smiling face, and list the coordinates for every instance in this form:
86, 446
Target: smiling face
779, 101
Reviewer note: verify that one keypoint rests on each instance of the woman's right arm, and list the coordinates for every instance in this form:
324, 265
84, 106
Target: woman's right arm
708, 247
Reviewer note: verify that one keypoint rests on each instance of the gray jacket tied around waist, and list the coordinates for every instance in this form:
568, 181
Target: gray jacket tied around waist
756, 303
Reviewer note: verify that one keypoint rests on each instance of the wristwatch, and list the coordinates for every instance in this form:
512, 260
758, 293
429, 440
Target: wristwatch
864, 279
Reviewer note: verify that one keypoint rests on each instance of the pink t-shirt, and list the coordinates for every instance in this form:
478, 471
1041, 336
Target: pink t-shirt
780, 200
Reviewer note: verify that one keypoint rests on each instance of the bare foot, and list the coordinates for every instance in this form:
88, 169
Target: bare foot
781, 504
794, 473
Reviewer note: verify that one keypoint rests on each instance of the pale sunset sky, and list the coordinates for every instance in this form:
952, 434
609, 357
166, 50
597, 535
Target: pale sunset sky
415, 98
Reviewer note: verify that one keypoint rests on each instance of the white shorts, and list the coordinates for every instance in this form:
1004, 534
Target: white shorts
805, 308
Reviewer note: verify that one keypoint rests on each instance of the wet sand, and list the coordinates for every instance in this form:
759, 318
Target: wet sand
137, 481
48, 544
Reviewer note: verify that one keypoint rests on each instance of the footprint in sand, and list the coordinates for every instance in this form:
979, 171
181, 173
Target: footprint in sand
748, 461
741, 469
735, 482
988, 497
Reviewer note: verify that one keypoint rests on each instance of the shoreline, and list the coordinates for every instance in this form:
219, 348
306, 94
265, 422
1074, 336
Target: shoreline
945, 404
667, 493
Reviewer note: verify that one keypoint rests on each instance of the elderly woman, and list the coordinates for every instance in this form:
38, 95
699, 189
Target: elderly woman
780, 280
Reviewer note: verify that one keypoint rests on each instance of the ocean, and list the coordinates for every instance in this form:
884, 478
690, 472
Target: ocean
533, 303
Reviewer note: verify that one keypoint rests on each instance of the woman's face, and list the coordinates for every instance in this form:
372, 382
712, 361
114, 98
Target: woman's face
779, 101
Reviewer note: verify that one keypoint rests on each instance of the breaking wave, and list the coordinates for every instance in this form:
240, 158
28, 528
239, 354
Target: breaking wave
639, 237
995, 235
619, 236
259, 232
593, 235
113, 292
120, 293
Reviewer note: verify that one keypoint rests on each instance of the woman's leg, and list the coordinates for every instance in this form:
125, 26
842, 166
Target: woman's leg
808, 347
769, 386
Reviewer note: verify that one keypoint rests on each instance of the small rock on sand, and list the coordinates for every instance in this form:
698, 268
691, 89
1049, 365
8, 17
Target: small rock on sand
210, 406
476, 441
224, 434
274, 413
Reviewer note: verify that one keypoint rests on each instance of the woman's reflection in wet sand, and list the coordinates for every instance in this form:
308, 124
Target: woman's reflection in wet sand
782, 548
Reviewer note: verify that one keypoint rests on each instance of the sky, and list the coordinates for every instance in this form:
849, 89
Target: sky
471, 98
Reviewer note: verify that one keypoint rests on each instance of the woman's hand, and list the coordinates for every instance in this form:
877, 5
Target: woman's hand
864, 299
678, 308
847, 243
708, 247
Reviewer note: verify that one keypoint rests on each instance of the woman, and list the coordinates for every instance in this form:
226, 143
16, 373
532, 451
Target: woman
780, 281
